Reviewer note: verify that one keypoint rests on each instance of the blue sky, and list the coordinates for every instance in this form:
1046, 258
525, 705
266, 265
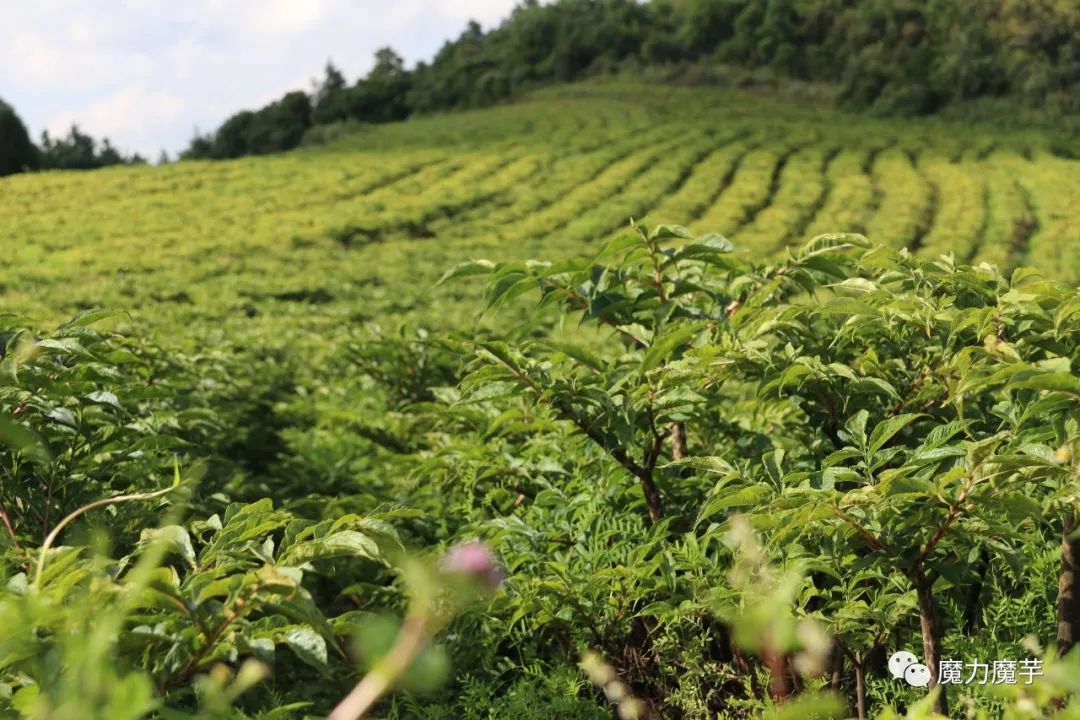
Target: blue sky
146, 73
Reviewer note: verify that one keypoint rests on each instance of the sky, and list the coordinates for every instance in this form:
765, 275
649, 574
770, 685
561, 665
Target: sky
147, 73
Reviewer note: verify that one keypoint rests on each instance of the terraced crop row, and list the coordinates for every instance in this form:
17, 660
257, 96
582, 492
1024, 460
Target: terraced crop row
360, 228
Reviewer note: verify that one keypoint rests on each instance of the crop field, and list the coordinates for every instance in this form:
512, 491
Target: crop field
416, 408
359, 230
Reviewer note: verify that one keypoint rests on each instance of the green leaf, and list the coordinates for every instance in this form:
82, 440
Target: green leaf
855, 428
508, 287
308, 645
774, 464
88, 317
66, 345
734, 497
23, 440
978, 452
582, 355
707, 248
469, 267
25, 698
873, 384
886, 429
856, 284
1019, 506
1057, 381
846, 306
104, 397
64, 416
344, 543
175, 537
841, 455
664, 347
667, 232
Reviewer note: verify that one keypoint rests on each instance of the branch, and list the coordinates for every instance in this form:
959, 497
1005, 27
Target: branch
953, 515
678, 440
192, 665
567, 412
7, 524
865, 534
658, 275
51, 538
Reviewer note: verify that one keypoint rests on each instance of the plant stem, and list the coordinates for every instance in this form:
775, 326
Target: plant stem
7, 524
51, 538
374, 685
1068, 609
678, 440
192, 666
930, 636
777, 662
860, 685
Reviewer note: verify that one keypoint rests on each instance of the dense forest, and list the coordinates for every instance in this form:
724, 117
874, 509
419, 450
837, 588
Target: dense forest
883, 56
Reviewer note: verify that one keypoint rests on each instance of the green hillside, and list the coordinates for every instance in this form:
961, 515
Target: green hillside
691, 482
359, 229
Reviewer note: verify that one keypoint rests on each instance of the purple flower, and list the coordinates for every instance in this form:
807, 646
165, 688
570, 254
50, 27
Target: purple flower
473, 560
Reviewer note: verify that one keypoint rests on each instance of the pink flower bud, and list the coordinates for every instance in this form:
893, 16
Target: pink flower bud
474, 560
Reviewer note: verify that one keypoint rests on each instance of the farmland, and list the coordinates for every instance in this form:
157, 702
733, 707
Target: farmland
742, 473
359, 230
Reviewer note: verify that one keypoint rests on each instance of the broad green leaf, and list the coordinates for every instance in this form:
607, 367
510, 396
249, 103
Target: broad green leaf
734, 497
467, 268
886, 429
856, 428
667, 232
22, 439
1058, 381
664, 347
88, 317
308, 645
175, 537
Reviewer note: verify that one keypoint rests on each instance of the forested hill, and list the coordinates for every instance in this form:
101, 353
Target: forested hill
884, 56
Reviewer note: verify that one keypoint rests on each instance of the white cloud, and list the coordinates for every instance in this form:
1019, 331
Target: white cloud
130, 117
145, 73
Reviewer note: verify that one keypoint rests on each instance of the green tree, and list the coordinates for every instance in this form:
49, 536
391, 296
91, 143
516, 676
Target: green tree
79, 151
17, 152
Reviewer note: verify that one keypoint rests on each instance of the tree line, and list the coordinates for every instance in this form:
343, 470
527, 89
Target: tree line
74, 151
883, 56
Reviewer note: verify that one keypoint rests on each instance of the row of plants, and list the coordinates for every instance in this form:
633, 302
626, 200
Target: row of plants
851, 193
800, 194
960, 216
1049, 235
196, 241
908, 204
742, 489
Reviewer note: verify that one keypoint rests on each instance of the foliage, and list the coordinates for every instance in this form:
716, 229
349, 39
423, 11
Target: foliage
277, 127
77, 410
549, 175
892, 426
891, 57
156, 628
17, 151
79, 151
731, 470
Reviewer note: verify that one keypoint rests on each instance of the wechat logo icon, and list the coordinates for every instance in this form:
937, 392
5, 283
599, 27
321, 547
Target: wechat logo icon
904, 665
